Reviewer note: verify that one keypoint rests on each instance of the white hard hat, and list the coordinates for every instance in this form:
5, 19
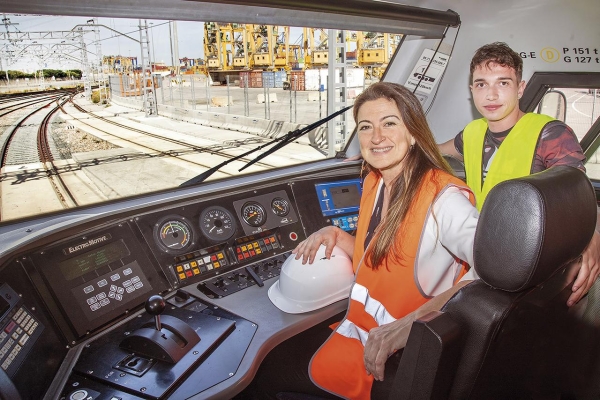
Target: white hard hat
302, 288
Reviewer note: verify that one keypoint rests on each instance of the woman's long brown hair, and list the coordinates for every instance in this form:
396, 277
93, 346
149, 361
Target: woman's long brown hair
421, 158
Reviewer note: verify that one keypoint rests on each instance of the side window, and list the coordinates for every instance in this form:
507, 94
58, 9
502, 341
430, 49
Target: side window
575, 100
554, 104
578, 108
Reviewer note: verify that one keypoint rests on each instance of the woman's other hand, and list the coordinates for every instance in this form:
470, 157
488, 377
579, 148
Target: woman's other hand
330, 236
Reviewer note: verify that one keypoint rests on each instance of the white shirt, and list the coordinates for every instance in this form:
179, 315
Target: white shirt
449, 232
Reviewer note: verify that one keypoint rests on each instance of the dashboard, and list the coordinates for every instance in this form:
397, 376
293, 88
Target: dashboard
164, 296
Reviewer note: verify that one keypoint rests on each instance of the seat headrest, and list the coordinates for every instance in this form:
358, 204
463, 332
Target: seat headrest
531, 226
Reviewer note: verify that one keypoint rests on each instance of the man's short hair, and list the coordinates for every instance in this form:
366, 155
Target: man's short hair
497, 53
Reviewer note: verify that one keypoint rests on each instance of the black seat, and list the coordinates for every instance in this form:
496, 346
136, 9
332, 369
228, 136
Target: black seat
510, 334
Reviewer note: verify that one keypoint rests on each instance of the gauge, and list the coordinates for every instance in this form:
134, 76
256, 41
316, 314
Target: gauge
254, 214
280, 207
217, 223
173, 234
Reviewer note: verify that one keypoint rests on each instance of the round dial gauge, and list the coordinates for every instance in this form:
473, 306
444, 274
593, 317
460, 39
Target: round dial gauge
173, 234
217, 223
280, 207
254, 214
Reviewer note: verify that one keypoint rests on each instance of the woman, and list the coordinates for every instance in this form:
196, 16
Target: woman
416, 223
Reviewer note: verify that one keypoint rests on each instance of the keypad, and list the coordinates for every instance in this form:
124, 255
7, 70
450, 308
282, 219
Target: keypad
15, 336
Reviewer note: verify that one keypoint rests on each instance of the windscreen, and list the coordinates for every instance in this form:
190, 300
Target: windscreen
103, 108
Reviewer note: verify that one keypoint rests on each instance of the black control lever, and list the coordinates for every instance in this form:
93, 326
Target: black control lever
168, 340
155, 305
255, 276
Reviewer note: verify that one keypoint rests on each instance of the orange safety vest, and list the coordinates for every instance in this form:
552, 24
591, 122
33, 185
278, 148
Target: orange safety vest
378, 296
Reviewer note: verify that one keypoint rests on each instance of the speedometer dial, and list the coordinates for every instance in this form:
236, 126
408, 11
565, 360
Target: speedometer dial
217, 224
173, 234
254, 214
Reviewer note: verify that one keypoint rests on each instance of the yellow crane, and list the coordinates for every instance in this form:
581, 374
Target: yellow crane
237, 47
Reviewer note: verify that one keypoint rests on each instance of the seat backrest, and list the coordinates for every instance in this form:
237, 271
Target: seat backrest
516, 336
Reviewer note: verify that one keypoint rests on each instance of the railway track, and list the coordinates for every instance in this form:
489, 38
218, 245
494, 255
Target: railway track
186, 148
64, 195
31, 169
26, 145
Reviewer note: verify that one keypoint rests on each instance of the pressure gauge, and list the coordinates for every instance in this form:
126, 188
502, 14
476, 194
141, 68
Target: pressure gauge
280, 207
254, 214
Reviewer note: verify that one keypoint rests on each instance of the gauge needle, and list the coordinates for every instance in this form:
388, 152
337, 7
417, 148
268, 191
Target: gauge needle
211, 229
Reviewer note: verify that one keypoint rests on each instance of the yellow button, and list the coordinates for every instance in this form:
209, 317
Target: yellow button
216, 264
179, 268
220, 256
194, 264
196, 271
181, 276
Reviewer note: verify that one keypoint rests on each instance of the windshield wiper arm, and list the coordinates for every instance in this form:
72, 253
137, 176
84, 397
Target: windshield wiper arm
293, 135
287, 138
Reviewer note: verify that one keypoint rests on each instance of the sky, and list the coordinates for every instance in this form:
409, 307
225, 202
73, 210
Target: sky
189, 38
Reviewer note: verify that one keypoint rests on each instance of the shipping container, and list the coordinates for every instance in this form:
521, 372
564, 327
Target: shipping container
268, 79
256, 79
244, 79
297, 80
355, 78
315, 79
280, 76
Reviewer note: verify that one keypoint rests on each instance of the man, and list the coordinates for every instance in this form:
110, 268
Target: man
532, 142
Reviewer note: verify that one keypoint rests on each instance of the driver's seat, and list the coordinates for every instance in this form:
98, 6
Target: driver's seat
510, 334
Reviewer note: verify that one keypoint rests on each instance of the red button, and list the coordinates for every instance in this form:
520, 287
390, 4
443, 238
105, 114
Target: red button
10, 326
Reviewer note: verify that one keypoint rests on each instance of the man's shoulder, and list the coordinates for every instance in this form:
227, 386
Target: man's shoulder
558, 130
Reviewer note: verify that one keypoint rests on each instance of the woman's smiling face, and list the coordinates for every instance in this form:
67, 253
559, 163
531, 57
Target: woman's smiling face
384, 139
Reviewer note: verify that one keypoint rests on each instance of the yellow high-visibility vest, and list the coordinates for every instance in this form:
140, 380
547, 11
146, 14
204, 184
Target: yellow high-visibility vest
513, 159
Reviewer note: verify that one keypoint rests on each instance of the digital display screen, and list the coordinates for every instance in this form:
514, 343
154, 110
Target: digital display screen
345, 196
339, 197
93, 259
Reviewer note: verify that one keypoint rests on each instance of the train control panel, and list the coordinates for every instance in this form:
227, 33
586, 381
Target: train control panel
167, 300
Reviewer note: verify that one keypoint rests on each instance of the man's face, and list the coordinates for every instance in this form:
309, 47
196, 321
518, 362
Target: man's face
496, 94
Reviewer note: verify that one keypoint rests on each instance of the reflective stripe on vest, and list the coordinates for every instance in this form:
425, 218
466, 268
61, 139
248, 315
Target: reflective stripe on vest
513, 159
378, 296
348, 329
372, 306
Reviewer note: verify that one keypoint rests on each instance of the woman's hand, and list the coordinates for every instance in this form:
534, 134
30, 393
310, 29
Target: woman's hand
590, 268
307, 249
383, 341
